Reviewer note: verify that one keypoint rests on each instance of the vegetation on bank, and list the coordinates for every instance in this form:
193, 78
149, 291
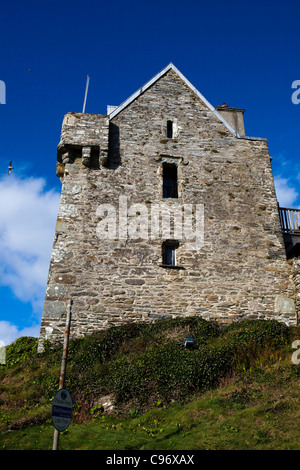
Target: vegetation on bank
237, 388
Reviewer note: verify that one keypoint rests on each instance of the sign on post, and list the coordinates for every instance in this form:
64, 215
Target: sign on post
62, 409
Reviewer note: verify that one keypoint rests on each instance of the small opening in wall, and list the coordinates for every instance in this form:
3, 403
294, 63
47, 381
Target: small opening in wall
170, 180
170, 129
169, 253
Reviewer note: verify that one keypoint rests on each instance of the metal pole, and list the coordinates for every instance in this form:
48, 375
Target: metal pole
86, 90
63, 365
55, 440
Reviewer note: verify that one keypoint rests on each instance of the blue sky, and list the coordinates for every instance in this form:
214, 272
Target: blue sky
243, 53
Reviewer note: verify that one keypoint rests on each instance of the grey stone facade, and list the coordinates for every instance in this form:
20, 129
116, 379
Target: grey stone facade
239, 269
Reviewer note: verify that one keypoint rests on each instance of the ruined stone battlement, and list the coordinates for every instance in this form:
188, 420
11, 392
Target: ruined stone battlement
83, 135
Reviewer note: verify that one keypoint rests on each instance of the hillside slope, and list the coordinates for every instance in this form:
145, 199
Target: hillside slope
139, 387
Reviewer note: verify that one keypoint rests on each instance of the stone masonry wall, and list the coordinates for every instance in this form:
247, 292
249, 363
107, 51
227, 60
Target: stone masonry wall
296, 271
241, 270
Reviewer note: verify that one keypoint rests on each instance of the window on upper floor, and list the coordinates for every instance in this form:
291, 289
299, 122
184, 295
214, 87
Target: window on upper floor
170, 129
170, 180
169, 253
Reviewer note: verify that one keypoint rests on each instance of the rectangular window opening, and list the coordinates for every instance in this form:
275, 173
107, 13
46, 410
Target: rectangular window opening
170, 129
169, 253
170, 180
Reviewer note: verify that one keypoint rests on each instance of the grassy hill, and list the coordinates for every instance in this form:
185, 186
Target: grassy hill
138, 387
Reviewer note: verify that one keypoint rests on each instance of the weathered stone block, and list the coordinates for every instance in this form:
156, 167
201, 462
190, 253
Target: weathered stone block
54, 309
56, 291
284, 305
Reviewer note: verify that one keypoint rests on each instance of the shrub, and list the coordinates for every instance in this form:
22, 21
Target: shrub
146, 362
168, 371
20, 350
257, 332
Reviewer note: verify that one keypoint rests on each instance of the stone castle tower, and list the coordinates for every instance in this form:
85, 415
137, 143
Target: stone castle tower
165, 155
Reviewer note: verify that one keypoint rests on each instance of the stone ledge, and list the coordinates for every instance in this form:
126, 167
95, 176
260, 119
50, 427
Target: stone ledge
168, 266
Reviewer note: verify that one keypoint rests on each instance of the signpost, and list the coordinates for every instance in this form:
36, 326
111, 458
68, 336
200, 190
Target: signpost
62, 408
62, 402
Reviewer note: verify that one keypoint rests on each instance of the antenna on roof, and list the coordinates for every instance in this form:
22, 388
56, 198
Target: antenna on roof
86, 90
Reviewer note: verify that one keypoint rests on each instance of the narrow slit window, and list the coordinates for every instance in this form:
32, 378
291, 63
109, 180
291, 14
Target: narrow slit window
170, 129
170, 181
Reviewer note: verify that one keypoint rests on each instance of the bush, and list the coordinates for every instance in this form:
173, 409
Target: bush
148, 362
104, 345
255, 340
258, 332
168, 371
21, 350
101, 346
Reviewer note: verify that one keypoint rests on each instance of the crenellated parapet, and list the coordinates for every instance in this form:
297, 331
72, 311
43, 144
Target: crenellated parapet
86, 136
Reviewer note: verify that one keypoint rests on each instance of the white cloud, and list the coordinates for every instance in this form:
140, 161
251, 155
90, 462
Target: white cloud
286, 193
27, 222
10, 332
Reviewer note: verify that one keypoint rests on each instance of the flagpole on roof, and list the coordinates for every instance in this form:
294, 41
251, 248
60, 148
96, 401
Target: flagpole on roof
86, 91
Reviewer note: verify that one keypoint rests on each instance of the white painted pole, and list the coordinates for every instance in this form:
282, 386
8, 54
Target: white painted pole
86, 91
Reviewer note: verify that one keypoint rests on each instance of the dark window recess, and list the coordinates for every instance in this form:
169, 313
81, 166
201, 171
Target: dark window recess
170, 129
169, 254
169, 257
170, 181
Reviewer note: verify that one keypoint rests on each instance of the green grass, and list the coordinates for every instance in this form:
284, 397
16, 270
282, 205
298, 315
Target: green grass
227, 418
237, 390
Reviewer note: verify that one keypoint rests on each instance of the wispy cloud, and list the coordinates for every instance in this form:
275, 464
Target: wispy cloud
286, 193
10, 332
27, 221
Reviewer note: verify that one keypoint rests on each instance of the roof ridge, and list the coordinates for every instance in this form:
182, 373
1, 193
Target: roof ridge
143, 88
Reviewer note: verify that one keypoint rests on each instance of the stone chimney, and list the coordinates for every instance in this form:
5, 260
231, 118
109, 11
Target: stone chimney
234, 117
